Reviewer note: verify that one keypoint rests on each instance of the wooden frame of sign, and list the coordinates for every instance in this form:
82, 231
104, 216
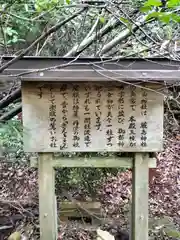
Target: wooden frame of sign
92, 117
93, 106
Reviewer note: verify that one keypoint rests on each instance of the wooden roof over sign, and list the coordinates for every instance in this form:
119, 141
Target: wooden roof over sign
91, 69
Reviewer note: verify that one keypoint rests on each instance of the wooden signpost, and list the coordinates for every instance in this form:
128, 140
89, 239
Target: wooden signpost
75, 110
92, 117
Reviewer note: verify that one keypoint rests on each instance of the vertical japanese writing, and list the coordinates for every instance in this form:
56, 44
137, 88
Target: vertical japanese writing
132, 131
64, 104
144, 96
75, 96
40, 93
110, 105
98, 112
132, 119
144, 126
52, 119
87, 117
133, 97
121, 116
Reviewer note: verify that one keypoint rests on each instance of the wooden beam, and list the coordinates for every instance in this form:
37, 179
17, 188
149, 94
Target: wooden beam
38, 62
91, 69
163, 76
47, 208
139, 224
96, 162
66, 205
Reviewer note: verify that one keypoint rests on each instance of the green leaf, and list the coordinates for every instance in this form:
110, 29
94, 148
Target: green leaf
127, 22
156, 3
175, 17
124, 20
102, 19
173, 3
152, 15
37, 7
68, 1
165, 17
145, 8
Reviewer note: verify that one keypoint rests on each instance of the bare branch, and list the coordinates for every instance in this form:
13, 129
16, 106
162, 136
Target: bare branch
93, 27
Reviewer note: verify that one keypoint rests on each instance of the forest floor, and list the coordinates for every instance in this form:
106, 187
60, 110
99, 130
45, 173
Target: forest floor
19, 198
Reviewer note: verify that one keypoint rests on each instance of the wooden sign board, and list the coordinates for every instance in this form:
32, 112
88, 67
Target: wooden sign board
91, 117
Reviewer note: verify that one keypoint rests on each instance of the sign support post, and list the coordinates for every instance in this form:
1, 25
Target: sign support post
47, 207
140, 186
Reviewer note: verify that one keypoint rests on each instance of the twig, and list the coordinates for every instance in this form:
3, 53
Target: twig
23, 18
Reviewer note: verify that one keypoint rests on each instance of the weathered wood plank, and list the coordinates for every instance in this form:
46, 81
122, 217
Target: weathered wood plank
66, 205
39, 62
91, 118
96, 162
93, 69
47, 208
168, 76
139, 224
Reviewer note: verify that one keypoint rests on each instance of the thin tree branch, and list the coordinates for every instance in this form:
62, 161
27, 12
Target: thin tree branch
93, 27
23, 18
46, 34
